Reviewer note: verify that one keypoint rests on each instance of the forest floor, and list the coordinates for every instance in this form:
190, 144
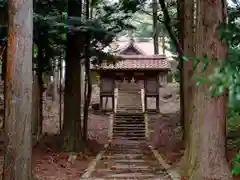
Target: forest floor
165, 135
52, 164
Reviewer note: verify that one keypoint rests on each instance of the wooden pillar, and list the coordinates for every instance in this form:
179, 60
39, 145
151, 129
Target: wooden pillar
157, 104
157, 91
107, 85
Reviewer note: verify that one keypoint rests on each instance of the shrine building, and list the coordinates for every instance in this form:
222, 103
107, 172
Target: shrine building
138, 75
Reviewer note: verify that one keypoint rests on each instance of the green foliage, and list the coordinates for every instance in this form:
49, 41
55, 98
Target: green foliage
236, 166
51, 24
176, 76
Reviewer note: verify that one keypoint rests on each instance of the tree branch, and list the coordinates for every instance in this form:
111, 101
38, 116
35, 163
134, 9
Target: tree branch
148, 13
167, 23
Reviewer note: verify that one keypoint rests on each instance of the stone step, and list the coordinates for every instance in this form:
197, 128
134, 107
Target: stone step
129, 142
129, 138
123, 110
150, 161
128, 117
125, 149
131, 175
129, 135
129, 161
132, 128
129, 131
125, 105
125, 156
128, 96
126, 108
140, 136
128, 125
130, 169
128, 120
125, 98
129, 114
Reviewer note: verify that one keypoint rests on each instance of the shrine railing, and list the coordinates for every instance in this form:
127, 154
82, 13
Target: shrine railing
115, 99
143, 100
145, 114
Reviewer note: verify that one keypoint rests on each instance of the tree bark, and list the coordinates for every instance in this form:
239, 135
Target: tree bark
155, 27
188, 43
35, 106
207, 143
163, 45
39, 73
60, 93
18, 142
71, 132
88, 83
4, 66
180, 14
55, 95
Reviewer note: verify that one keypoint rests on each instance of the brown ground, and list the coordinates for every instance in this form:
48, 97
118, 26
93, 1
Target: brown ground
51, 164
166, 136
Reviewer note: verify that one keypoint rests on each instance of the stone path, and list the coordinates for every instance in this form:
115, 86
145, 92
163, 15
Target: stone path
128, 160
128, 156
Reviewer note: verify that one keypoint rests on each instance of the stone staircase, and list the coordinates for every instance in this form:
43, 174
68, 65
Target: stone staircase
129, 98
129, 119
128, 156
128, 161
129, 126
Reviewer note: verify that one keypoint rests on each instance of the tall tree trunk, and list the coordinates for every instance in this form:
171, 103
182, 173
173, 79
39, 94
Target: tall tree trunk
40, 59
155, 26
82, 83
35, 106
55, 96
163, 45
60, 93
18, 141
4, 66
208, 117
183, 98
187, 72
88, 83
71, 131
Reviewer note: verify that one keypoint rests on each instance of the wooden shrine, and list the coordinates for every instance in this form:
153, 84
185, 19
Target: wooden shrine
137, 66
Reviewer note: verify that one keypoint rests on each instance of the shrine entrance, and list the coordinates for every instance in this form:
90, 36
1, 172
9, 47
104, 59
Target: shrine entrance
143, 82
136, 79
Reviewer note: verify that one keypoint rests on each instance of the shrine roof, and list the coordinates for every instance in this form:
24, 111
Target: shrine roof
135, 58
137, 62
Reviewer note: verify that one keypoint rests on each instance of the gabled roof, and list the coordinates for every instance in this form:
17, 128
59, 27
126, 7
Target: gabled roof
131, 45
136, 60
